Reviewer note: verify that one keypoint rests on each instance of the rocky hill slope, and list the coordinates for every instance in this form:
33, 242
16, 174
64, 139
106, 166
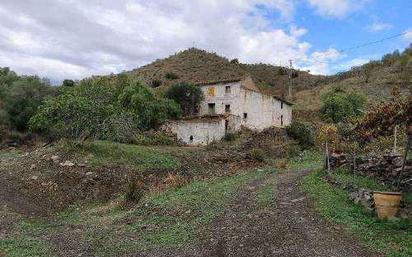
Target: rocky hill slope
376, 79
194, 65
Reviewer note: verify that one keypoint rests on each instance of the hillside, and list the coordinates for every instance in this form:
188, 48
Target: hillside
377, 80
194, 65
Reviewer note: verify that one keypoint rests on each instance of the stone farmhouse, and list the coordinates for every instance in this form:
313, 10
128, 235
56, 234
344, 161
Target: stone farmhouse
227, 106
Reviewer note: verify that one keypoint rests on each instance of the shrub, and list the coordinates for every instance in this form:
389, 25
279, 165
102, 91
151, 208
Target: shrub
156, 138
171, 76
156, 83
230, 137
114, 109
257, 154
175, 180
339, 106
345, 130
187, 96
21, 98
282, 71
302, 133
135, 191
68, 83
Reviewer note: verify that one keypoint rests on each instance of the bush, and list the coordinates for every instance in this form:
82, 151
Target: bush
114, 109
156, 83
175, 180
339, 106
156, 138
230, 137
257, 154
171, 76
187, 96
135, 191
21, 97
302, 133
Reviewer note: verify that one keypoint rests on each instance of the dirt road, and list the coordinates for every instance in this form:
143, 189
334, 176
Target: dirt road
289, 227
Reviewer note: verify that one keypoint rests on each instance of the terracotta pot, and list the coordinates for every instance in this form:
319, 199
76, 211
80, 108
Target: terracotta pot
409, 130
387, 204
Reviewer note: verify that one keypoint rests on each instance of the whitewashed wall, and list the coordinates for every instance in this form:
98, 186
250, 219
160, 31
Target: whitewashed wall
263, 111
203, 131
221, 98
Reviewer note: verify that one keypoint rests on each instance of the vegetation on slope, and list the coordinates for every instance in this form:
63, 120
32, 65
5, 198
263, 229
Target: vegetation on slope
113, 109
167, 219
377, 80
195, 66
391, 237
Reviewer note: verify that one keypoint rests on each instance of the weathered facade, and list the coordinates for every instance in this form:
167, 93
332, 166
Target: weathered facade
227, 106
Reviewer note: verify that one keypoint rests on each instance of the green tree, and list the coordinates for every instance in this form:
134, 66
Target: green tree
187, 96
302, 133
68, 83
103, 108
21, 96
339, 106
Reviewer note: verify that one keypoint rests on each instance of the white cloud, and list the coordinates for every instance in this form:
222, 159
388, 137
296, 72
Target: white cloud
408, 35
378, 26
336, 8
74, 38
319, 62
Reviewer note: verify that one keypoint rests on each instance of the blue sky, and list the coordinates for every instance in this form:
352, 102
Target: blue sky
74, 39
373, 21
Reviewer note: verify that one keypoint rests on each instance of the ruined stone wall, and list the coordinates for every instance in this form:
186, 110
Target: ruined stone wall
198, 131
202, 131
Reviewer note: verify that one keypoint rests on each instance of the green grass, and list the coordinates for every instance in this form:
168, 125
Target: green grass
181, 212
24, 246
98, 153
309, 159
9, 154
265, 195
344, 176
394, 238
167, 219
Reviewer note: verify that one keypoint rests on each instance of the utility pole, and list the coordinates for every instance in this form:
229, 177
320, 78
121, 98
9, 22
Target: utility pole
290, 78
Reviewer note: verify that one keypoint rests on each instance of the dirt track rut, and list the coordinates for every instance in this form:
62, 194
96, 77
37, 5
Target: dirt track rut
290, 227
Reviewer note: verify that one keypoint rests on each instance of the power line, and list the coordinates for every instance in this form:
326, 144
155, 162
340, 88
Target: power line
359, 46
373, 42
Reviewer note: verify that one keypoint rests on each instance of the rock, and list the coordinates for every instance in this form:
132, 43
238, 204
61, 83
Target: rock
55, 158
67, 164
297, 200
89, 173
34, 177
33, 166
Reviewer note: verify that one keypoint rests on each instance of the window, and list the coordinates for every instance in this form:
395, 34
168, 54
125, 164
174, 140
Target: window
228, 90
211, 107
227, 108
211, 91
281, 120
244, 115
281, 105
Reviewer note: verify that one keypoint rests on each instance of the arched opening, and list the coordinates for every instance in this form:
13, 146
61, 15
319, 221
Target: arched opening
191, 139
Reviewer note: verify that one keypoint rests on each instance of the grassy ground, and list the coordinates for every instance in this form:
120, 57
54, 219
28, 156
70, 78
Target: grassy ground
265, 195
167, 219
393, 238
98, 153
348, 178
